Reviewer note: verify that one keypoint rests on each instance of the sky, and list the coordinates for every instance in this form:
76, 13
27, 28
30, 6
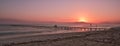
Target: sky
94, 11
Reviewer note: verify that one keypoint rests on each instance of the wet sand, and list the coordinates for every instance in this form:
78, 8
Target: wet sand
95, 38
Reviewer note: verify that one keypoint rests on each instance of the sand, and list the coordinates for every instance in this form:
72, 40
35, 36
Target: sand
95, 38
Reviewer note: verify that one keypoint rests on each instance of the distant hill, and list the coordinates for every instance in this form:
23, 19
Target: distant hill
110, 22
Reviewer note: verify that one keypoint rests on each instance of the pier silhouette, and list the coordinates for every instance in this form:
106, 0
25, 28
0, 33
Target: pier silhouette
83, 28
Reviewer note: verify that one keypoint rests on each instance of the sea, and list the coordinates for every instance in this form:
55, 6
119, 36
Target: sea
14, 30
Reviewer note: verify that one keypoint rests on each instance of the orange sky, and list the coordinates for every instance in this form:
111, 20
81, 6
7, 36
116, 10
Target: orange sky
61, 10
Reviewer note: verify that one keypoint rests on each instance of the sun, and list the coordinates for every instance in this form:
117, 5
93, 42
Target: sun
82, 20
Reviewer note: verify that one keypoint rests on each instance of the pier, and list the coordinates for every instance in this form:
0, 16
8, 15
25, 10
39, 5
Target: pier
83, 28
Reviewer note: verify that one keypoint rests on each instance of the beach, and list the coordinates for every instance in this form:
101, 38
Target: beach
95, 38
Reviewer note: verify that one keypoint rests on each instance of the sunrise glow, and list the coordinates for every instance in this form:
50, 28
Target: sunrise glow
38, 11
82, 19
